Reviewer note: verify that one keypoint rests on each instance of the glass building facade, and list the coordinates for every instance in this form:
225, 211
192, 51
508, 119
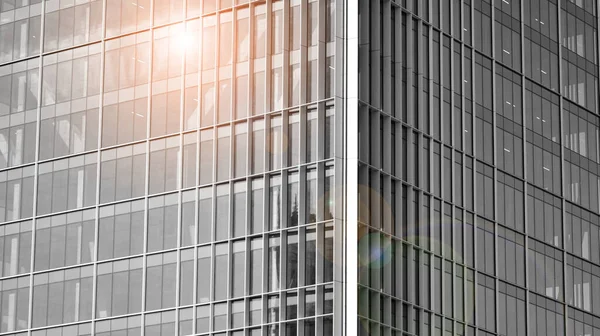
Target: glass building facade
167, 167
477, 174
299, 167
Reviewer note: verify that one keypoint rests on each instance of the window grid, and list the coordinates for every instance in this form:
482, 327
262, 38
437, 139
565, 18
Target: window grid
204, 92
184, 131
385, 19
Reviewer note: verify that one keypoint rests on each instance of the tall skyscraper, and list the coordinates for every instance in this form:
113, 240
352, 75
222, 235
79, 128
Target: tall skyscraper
476, 168
299, 167
167, 167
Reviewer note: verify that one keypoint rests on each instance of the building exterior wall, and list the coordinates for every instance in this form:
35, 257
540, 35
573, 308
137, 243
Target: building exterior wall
170, 167
478, 172
299, 167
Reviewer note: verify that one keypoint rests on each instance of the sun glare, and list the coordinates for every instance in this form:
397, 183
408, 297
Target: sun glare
184, 42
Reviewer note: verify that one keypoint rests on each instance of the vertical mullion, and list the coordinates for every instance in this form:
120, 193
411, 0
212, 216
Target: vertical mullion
526, 209
494, 163
561, 80
98, 169
36, 164
285, 64
147, 170
180, 168
268, 64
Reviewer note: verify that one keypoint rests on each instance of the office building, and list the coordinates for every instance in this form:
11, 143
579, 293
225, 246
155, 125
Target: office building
165, 167
477, 167
299, 167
